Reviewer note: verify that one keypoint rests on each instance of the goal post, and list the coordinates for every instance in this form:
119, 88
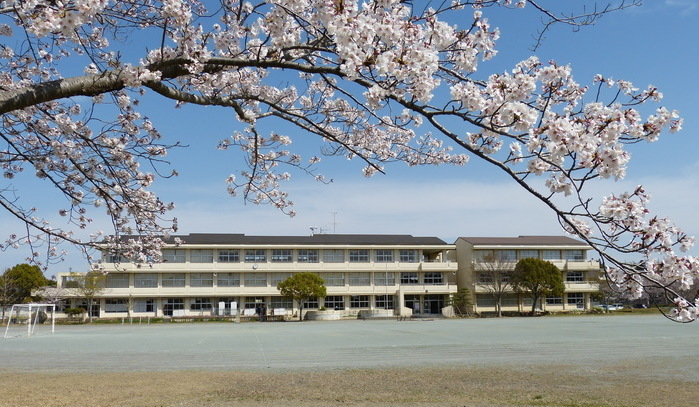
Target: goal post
24, 319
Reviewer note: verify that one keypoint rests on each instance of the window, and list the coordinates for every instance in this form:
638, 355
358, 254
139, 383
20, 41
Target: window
551, 255
383, 279
554, 300
201, 280
575, 255
69, 282
229, 256
173, 280
383, 256
144, 305
485, 278
172, 304
408, 256
333, 256
359, 301
576, 298
311, 303
408, 278
254, 302
574, 276
335, 302
333, 279
115, 305
484, 255
228, 280
384, 301
434, 278
282, 302
281, 256
201, 256
307, 256
359, 279
117, 281
115, 258
528, 254
174, 255
484, 300
256, 256
256, 279
359, 256
507, 255
510, 301
202, 304
278, 278
145, 280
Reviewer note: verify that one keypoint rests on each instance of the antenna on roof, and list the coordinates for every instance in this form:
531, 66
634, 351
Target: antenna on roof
313, 230
334, 222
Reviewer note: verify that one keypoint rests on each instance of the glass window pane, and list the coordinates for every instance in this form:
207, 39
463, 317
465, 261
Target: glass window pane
384, 256
229, 256
528, 254
359, 256
201, 280
551, 255
333, 256
228, 280
408, 256
173, 280
333, 279
307, 256
256, 256
145, 280
356, 279
281, 256
408, 278
174, 255
201, 256
384, 278
255, 279
575, 255
114, 280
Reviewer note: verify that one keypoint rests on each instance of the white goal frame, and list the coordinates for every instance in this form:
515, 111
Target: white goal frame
31, 322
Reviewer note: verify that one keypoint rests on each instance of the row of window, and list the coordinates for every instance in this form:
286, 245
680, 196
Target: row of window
571, 277
150, 280
484, 300
514, 255
285, 256
113, 305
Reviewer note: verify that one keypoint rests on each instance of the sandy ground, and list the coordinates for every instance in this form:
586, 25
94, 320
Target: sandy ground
585, 361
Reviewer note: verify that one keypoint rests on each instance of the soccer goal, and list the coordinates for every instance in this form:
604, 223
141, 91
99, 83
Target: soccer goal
31, 319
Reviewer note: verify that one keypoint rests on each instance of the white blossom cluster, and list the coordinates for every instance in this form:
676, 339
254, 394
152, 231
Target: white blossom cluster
377, 80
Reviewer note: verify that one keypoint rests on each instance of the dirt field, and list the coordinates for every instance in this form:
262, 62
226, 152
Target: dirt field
575, 362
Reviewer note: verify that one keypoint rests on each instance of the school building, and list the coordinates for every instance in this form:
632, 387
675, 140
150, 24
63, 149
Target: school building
365, 275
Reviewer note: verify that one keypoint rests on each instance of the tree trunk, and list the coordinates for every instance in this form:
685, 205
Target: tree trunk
498, 307
535, 299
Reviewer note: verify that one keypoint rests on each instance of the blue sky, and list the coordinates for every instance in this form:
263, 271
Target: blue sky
653, 44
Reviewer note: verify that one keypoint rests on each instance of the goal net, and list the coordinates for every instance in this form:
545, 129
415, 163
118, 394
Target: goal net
30, 319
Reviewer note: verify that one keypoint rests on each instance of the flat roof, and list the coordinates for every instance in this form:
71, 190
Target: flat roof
316, 239
524, 241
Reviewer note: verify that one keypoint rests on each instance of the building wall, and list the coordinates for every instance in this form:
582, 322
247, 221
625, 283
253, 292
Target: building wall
364, 279
582, 281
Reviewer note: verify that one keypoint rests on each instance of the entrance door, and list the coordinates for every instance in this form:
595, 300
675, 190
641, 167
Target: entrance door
413, 302
433, 303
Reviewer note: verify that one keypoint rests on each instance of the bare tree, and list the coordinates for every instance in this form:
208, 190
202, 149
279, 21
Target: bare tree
88, 286
494, 276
